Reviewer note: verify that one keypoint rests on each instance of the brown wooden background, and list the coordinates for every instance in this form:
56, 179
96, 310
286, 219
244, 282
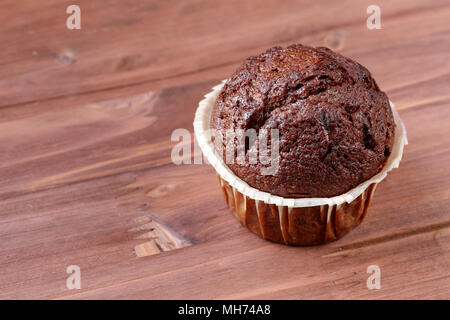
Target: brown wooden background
87, 179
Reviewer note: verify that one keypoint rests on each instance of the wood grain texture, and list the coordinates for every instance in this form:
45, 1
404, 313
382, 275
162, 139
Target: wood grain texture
86, 175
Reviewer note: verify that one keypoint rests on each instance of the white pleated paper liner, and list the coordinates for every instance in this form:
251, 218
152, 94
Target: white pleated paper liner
201, 127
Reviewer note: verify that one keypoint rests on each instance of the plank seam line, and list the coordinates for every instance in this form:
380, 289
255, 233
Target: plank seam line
390, 237
112, 88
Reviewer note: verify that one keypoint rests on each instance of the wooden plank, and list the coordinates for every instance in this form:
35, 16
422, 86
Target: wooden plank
41, 59
303, 273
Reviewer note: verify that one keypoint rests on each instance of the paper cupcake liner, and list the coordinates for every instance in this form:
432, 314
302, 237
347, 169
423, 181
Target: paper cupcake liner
302, 221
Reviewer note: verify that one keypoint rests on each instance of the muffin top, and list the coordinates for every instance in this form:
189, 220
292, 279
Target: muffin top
335, 126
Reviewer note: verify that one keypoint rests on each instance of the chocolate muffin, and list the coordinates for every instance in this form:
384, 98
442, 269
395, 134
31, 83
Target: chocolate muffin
336, 127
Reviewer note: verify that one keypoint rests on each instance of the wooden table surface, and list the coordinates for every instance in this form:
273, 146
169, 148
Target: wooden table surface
86, 118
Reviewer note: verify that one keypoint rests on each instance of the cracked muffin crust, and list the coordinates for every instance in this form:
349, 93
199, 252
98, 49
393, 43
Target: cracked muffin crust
336, 127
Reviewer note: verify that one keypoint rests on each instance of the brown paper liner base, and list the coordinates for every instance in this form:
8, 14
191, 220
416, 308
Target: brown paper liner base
298, 226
